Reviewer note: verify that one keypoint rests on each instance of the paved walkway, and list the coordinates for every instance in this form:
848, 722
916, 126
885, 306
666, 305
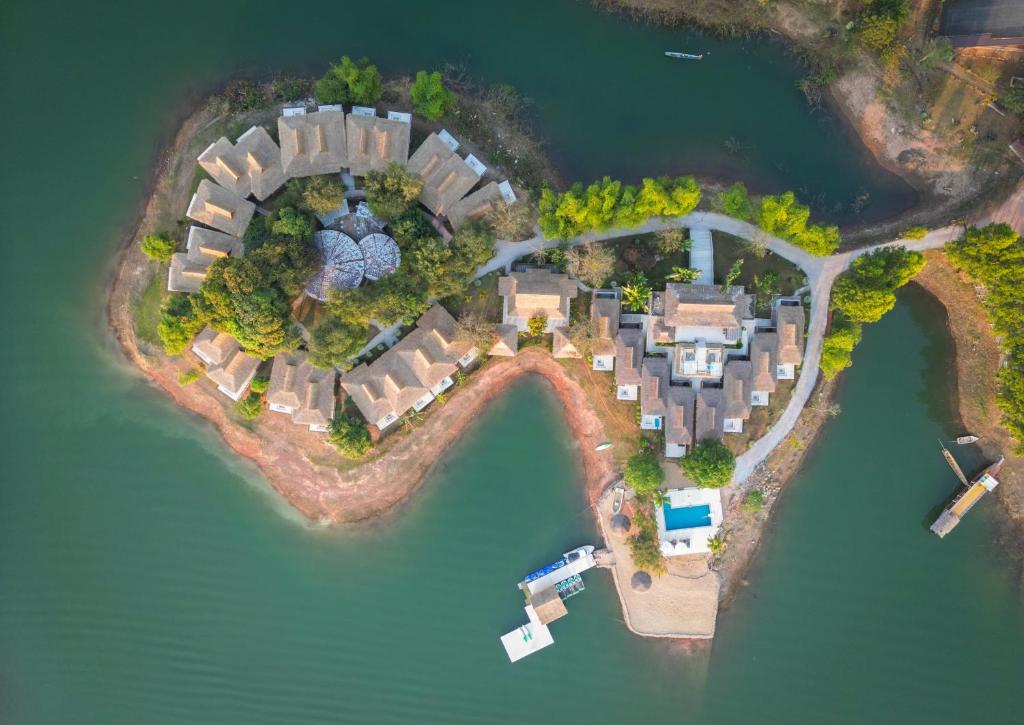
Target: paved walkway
821, 273
702, 255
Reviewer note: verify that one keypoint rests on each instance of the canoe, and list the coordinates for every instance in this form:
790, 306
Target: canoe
603, 446
684, 56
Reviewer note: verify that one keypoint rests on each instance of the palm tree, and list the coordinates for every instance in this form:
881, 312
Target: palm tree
636, 293
683, 274
660, 498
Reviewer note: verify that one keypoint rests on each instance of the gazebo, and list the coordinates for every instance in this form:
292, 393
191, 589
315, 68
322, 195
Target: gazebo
381, 255
620, 523
641, 581
342, 264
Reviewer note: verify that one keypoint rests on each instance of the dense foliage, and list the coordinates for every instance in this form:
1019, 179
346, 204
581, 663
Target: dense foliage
349, 81
993, 256
837, 347
753, 501
636, 292
710, 464
606, 204
323, 194
787, 218
513, 222
430, 98
333, 342
644, 474
158, 247
351, 437
591, 263
735, 201
250, 406
644, 546
179, 323
878, 28
392, 192
866, 291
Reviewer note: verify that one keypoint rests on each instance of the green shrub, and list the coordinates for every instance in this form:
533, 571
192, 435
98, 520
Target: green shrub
245, 96
1013, 100
644, 547
189, 376
249, 407
349, 81
644, 474
430, 98
915, 233
158, 247
753, 501
350, 437
866, 291
323, 194
535, 325
179, 323
259, 385
735, 201
392, 192
288, 88
787, 218
290, 222
710, 464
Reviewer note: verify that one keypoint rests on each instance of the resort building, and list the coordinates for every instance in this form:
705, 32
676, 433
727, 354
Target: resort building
604, 316
205, 246
561, 345
480, 203
789, 325
313, 143
506, 343
375, 142
983, 23
708, 419
763, 347
536, 293
226, 364
224, 163
705, 312
221, 209
302, 391
629, 356
412, 373
679, 421
698, 360
446, 176
688, 519
654, 382
736, 393
252, 166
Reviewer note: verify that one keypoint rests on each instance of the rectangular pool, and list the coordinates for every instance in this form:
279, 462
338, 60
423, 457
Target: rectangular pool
687, 517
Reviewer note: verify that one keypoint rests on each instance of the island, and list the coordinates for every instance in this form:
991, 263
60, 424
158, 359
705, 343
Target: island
340, 276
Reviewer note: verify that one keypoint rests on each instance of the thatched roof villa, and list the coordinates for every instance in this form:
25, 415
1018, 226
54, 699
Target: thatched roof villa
302, 391
536, 292
205, 246
221, 209
375, 142
313, 143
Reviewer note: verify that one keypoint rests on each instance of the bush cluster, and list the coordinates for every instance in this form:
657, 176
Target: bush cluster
785, 217
710, 464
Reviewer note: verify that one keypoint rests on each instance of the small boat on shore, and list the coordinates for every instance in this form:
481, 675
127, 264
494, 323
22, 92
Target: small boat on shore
963, 502
619, 498
684, 56
603, 446
965, 439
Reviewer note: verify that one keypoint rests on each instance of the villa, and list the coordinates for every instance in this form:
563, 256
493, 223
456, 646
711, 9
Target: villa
629, 356
708, 419
251, 167
789, 325
302, 391
226, 364
446, 176
480, 203
313, 143
561, 345
604, 316
536, 293
412, 373
763, 348
506, 343
736, 392
679, 421
221, 209
687, 519
375, 142
205, 246
701, 311
654, 381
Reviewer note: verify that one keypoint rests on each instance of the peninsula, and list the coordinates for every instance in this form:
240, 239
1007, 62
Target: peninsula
355, 278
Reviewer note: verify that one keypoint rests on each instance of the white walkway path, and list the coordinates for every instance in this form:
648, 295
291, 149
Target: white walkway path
702, 254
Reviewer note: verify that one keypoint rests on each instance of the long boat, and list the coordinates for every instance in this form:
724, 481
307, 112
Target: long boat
965, 499
684, 56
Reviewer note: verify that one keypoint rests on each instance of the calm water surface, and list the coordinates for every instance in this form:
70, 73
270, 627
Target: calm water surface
146, 576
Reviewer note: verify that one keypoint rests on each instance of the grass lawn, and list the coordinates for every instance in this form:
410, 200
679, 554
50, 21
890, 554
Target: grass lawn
761, 418
483, 299
146, 309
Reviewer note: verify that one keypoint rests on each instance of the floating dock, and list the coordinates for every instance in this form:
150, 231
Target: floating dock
965, 500
546, 591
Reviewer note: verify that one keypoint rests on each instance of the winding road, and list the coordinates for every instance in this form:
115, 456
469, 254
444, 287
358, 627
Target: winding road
821, 274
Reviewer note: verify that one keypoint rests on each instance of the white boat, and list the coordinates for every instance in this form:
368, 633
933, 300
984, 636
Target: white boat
578, 553
603, 446
964, 440
684, 56
619, 498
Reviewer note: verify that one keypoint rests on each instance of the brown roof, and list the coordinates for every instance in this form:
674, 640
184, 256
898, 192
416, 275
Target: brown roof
604, 315
660, 332
313, 143
234, 373
629, 355
221, 209
441, 324
205, 246
654, 382
375, 142
262, 160
708, 419
789, 323
679, 416
507, 344
561, 345
429, 157
383, 387
538, 291
447, 184
548, 605
705, 305
474, 206
216, 347
297, 384
762, 361
736, 389
226, 165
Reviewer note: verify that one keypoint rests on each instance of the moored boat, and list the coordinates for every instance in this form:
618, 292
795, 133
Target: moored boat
684, 56
965, 439
965, 500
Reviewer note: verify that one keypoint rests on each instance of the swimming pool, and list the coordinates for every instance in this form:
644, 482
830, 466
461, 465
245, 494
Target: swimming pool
687, 517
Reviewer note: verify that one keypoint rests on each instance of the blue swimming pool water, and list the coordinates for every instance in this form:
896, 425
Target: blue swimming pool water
687, 517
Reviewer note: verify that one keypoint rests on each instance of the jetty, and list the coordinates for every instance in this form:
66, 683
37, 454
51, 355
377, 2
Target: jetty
971, 493
546, 591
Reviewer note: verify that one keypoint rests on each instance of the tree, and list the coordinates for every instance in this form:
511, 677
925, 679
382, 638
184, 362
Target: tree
865, 292
644, 474
430, 98
592, 263
333, 343
472, 328
644, 546
158, 247
710, 464
785, 217
179, 323
878, 32
513, 222
582, 335
735, 201
636, 293
323, 194
398, 298
290, 222
262, 324
766, 286
446, 269
349, 81
670, 241
683, 274
837, 347
536, 325
349, 436
392, 192
259, 385
1013, 100
733, 274
249, 407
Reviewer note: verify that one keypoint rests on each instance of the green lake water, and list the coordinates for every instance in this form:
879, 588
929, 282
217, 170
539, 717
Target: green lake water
147, 576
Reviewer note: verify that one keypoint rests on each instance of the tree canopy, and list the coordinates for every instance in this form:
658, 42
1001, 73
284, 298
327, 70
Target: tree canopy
349, 81
392, 192
333, 342
787, 218
710, 464
644, 474
430, 98
837, 347
351, 437
323, 194
735, 201
865, 292
158, 247
592, 263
